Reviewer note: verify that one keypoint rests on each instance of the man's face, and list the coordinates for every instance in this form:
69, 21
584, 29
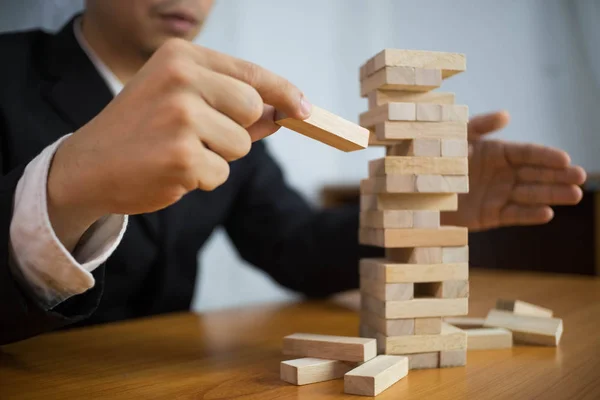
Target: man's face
149, 23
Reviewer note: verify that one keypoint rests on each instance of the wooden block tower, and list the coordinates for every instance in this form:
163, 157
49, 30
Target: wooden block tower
424, 275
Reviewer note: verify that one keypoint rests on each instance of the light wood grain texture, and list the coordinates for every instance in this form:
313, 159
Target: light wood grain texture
379, 97
416, 308
415, 184
449, 63
527, 329
465, 322
409, 201
489, 338
388, 327
418, 165
453, 358
342, 348
428, 112
424, 360
450, 338
402, 78
428, 326
523, 308
304, 371
426, 219
235, 354
455, 112
392, 272
398, 219
328, 128
454, 148
388, 112
453, 289
376, 375
443, 236
386, 291
388, 132
455, 254
423, 147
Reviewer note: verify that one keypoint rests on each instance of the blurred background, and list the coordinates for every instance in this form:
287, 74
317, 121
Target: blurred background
538, 59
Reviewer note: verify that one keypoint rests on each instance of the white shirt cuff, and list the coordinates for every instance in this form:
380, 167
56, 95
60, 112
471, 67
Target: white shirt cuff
52, 272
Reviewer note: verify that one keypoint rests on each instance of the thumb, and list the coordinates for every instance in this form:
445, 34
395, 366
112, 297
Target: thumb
265, 125
487, 123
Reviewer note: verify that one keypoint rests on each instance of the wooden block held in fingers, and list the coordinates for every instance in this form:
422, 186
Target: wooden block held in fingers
340, 348
400, 219
418, 165
393, 272
376, 375
424, 360
523, 308
428, 326
416, 308
422, 147
388, 132
304, 371
402, 78
415, 184
388, 112
449, 63
450, 338
489, 338
455, 254
527, 329
386, 291
414, 255
455, 148
443, 236
409, 201
465, 322
453, 358
388, 327
328, 128
379, 97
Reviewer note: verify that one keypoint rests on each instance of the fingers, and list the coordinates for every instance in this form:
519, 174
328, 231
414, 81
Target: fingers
265, 126
487, 123
514, 214
210, 170
221, 134
573, 175
546, 194
533, 154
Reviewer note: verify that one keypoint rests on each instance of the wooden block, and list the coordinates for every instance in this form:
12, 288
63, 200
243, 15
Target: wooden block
455, 254
523, 308
429, 112
398, 219
414, 255
402, 78
424, 360
449, 63
392, 272
416, 308
453, 289
419, 165
454, 148
388, 112
465, 322
454, 112
376, 375
379, 97
415, 184
328, 128
526, 329
488, 338
387, 327
340, 348
441, 112
453, 358
450, 338
365, 331
409, 201
423, 147
304, 371
386, 291
428, 326
443, 236
391, 131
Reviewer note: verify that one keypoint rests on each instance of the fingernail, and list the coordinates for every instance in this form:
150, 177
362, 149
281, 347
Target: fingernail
305, 107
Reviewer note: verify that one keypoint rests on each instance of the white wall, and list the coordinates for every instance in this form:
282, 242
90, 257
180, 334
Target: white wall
526, 56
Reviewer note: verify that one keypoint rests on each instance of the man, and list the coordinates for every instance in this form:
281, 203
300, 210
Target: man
173, 151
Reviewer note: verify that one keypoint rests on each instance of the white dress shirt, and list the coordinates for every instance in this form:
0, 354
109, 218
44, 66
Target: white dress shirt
37, 257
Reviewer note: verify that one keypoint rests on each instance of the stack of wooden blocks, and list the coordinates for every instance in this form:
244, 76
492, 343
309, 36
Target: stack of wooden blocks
424, 276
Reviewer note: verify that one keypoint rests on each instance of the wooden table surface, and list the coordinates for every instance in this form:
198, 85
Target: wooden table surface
235, 354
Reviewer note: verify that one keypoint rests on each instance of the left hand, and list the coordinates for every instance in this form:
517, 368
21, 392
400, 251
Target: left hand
513, 183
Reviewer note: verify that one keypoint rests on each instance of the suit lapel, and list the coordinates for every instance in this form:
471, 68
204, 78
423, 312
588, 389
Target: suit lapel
78, 93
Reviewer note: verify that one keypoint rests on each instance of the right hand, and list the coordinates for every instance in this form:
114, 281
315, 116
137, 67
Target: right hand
173, 129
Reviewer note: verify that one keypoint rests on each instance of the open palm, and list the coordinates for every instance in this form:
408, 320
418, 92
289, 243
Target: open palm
513, 183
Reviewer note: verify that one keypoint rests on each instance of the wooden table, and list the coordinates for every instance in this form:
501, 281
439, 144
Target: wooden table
236, 354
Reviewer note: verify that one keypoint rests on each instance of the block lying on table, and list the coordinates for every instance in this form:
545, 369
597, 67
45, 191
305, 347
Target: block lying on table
527, 329
489, 338
416, 308
340, 348
523, 308
376, 375
424, 360
304, 371
453, 358
450, 338
392, 272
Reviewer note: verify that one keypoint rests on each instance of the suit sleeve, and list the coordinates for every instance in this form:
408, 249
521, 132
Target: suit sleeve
314, 252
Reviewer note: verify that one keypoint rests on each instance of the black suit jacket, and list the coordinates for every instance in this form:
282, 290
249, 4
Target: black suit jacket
50, 88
